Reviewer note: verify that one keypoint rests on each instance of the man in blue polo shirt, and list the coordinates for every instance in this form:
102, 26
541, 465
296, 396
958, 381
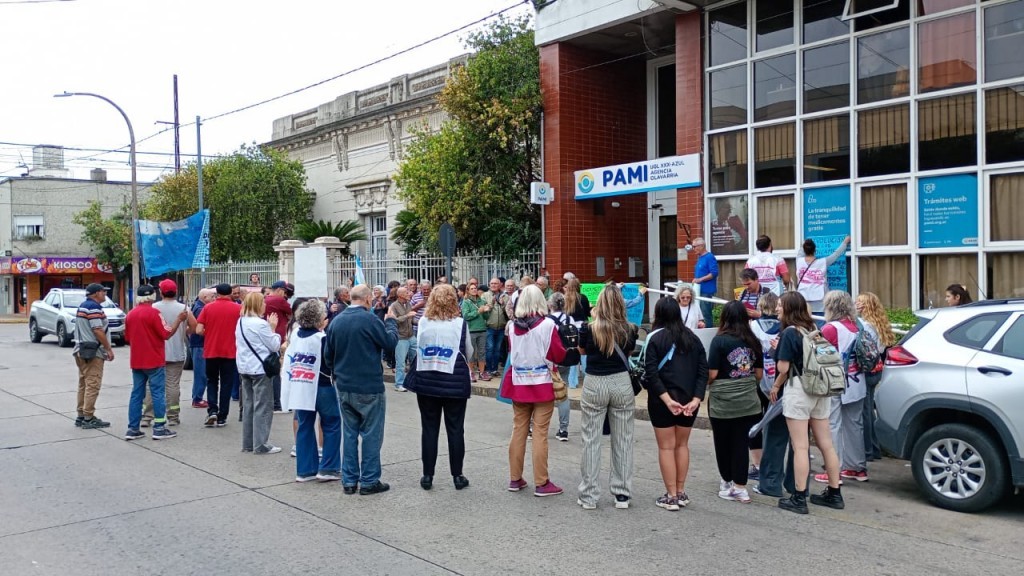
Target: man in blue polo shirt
706, 277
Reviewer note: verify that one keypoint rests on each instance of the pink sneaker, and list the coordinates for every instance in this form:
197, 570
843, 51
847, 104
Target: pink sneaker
472, 376
516, 485
548, 489
861, 476
823, 478
485, 376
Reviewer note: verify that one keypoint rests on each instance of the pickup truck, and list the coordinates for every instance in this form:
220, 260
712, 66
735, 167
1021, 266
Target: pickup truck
55, 315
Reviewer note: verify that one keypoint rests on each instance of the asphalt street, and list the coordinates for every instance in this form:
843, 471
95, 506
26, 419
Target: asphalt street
75, 502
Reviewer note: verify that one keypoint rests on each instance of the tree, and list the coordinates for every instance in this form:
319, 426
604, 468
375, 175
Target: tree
408, 232
347, 231
256, 196
109, 238
475, 172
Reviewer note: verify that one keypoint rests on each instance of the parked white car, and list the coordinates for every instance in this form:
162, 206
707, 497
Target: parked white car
55, 315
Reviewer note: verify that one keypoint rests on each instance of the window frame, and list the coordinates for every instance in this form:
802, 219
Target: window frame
848, 16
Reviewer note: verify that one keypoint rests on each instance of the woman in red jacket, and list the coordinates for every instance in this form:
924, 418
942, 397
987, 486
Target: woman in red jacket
534, 345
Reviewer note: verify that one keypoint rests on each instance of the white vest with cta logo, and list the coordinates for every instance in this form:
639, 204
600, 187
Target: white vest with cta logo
438, 344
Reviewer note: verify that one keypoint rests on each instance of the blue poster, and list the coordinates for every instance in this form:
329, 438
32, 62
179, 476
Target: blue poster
947, 211
171, 246
827, 222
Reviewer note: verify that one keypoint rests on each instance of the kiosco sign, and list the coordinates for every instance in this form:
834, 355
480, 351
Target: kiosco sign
660, 174
55, 265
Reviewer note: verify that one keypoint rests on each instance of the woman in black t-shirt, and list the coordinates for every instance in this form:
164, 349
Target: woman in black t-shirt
803, 411
735, 366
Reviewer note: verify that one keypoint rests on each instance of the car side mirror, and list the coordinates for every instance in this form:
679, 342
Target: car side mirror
57, 305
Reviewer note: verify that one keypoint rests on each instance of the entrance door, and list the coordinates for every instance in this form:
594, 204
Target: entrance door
662, 227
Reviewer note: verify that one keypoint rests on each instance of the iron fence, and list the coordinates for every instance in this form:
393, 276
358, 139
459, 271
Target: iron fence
266, 272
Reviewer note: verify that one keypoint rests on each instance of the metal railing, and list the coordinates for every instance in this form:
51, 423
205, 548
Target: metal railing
231, 273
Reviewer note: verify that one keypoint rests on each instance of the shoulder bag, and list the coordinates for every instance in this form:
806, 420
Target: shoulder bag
271, 364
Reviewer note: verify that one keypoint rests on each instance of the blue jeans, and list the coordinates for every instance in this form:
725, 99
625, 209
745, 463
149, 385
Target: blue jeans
576, 373
493, 356
155, 377
198, 374
776, 459
706, 310
362, 416
401, 353
306, 459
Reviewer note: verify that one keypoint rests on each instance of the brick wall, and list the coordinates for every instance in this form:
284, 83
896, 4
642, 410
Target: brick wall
689, 127
594, 115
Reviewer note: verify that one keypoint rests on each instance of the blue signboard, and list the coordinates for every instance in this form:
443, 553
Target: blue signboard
947, 211
827, 222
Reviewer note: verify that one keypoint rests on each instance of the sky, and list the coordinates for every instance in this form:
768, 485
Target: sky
227, 54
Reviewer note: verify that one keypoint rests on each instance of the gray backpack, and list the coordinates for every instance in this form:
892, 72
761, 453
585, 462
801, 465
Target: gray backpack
824, 374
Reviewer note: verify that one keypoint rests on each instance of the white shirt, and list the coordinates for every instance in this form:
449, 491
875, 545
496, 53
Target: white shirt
691, 315
264, 341
768, 267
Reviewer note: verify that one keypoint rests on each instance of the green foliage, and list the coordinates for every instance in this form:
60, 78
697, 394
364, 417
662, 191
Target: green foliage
475, 172
110, 239
408, 232
256, 198
347, 231
902, 317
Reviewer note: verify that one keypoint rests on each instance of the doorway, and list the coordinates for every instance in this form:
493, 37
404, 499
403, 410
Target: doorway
662, 227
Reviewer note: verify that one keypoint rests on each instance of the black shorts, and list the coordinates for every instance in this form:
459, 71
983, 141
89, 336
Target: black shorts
662, 417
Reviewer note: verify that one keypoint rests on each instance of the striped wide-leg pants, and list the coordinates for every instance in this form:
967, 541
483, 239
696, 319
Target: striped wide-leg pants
612, 395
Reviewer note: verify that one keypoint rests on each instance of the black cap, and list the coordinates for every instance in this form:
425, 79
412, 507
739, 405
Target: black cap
94, 288
223, 289
145, 290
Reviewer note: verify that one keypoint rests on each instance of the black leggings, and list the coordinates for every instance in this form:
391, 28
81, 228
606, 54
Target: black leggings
454, 411
731, 443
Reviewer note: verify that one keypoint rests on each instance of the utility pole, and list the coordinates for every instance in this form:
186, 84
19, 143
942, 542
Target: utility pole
177, 129
199, 170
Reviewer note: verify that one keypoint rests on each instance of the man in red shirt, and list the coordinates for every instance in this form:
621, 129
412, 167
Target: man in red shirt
216, 323
277, 303
145, 329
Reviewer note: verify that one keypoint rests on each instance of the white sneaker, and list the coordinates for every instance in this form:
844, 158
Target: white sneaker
271, 450
724, 486
293, 451
580, 502
738, 495
401, 389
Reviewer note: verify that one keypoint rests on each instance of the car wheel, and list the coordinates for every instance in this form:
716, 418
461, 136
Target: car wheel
62, 336
959, 467
119, 342
33, 332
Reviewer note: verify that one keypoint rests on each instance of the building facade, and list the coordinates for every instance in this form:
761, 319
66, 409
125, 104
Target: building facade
40, 247
898, 123
351, 148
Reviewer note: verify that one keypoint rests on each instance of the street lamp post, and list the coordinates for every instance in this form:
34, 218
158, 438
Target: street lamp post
135, 196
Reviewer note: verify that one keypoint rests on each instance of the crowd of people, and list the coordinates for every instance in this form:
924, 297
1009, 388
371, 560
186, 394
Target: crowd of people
324, 361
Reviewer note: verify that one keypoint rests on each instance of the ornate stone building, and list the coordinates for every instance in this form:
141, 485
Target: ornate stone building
351, 148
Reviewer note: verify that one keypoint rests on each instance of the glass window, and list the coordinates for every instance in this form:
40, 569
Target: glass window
666, 108
946, 53
929, 7
977, 331
946, 132
729, 97
883, 140
775, 88
883, 219
728, 161
1006, 274
729, 224
883, 66
727, 33
1004, 41
883, 12
823, 19
1012, 342
886, 276
827, 149
775, 219
729, 277
940, 270
1006, 205
775, 155
827, 77
774, 24
1004, 124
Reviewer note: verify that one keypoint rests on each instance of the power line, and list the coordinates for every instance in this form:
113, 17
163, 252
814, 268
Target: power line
33, 1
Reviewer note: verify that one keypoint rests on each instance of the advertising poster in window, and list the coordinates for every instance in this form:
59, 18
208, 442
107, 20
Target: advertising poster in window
827, 222
730, 220
947, 211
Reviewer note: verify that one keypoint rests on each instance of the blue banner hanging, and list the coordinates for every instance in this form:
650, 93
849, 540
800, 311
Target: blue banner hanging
171, 246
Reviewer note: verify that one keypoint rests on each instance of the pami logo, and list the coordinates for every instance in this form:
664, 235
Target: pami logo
585, 183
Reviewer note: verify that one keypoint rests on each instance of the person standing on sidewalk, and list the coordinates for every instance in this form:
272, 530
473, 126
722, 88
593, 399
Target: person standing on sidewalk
355, 339
403, 314
195, 343
277, 303
556, 311
144, 327
473, 313
607, 390
494, 309
217, 324
533, 343
705, 276
441, 383
92, 349
174, 352
255, 339
772, 271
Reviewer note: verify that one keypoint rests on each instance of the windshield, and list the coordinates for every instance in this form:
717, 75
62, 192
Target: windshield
108, 303
73, 300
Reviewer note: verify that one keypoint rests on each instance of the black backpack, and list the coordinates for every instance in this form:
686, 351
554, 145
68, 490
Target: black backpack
568, 332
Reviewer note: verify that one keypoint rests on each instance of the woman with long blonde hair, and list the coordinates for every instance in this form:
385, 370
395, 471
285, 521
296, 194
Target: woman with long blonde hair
872, 315
607, 389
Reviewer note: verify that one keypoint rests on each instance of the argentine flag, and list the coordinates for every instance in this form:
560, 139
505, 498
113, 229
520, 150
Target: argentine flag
360, 276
